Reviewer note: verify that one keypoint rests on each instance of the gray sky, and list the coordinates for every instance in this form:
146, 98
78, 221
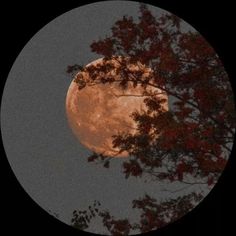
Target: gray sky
46, 158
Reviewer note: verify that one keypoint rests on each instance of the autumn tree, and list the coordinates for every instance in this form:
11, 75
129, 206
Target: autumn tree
195, 136
189, 143
153, 215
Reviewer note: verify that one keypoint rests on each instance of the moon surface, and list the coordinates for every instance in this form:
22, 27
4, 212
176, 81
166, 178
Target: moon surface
96, 113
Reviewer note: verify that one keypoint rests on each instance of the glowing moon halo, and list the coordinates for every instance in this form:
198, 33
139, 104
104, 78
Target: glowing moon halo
96, 113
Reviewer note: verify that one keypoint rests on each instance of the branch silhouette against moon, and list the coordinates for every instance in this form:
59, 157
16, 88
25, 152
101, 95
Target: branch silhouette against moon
96, 119
160, 98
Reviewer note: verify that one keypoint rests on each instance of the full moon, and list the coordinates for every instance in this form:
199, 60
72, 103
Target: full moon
96, 113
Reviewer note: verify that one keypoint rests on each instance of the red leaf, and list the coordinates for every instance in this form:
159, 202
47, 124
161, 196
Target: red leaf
210, 181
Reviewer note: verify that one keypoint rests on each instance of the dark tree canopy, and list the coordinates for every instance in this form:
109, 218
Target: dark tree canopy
153, 215
190, 142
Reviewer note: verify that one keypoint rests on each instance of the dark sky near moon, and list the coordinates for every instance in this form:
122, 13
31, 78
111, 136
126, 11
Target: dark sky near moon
45, 156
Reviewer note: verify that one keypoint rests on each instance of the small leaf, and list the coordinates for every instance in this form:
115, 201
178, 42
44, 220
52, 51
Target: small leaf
106, 164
